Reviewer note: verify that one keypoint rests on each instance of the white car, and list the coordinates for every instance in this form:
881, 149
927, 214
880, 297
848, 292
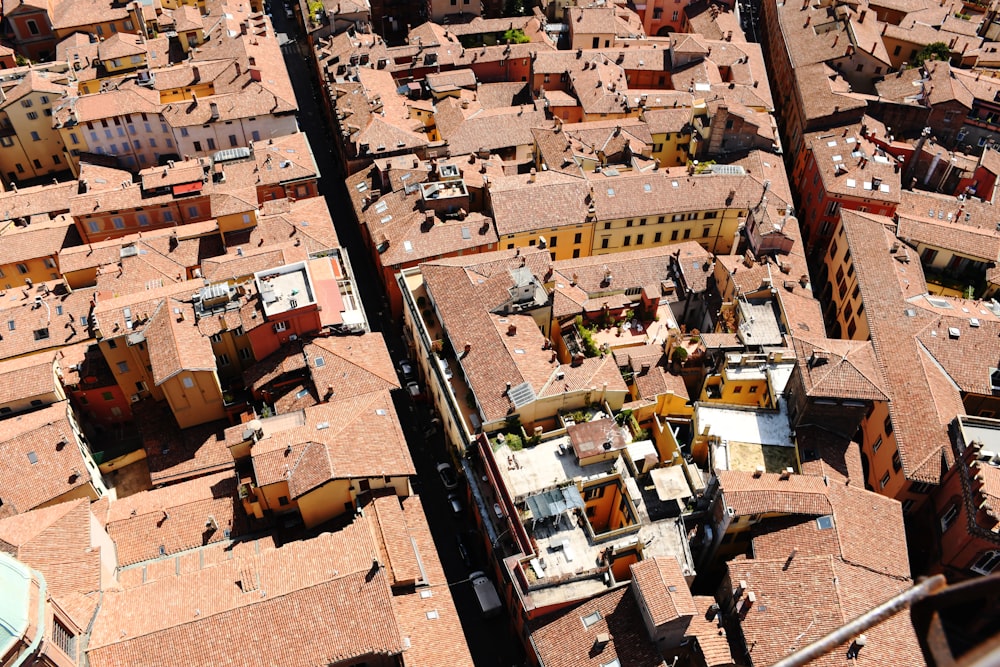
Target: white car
413, 388
446, 369
448, 477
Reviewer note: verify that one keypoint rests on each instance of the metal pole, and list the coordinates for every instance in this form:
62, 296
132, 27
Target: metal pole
849, 632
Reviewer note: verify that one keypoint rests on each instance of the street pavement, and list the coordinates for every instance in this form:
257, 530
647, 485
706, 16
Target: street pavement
490, 640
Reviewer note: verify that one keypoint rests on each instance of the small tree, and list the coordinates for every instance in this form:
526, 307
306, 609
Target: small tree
516, 36
933, 51
679, 356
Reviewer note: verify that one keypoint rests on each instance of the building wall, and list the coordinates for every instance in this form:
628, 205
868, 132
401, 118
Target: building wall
844, 309
195, 397
713, 230
137, 140
33, 35
265, 338
671, 148
107, 27
108, 405
442, 8
204, 140
273, 495
130, 366
36, 401
563, 242
105, 225
36, 270
35, 149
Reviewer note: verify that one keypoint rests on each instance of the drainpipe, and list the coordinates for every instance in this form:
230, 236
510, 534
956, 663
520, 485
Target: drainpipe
40, 634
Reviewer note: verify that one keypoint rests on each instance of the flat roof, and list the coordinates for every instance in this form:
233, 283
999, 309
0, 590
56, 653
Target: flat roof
751, 425
285, 288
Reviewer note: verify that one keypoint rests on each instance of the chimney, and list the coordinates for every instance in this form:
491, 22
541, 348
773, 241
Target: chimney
600, 641
758, 471
467, 349
215, 110
195, 75
786, 474
512, 330
861, 18
745, 604
532, 175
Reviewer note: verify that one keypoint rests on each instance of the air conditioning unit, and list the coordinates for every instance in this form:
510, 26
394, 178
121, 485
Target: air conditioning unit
293, 337
134, 398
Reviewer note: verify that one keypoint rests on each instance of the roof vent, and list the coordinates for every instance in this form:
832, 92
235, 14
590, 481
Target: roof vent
954, 332
786, 473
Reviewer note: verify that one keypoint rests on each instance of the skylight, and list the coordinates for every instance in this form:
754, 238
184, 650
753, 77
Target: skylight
825, 522
319, 362
591, 618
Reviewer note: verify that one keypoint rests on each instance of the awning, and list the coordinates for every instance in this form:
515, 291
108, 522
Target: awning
187, 188
554, 502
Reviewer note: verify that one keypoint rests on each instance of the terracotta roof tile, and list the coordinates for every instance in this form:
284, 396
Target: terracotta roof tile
155, 523
660, 586
21, 244
773, 627
351, 365
563, 640
26, 377
368, 423
919, 416
38, 467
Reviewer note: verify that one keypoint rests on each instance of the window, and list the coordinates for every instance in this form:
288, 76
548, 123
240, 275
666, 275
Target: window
41, 334
123, 367
687, 233
576, 253
37, 163
921, 488
283, 500
32, 27
168, 216
34, 135
255, 135
888, 425
280, 326
187, 382
245, 353
607, 225
753, 389
143, 219
657, 236
63, 638
897, 464
211, 144
705, 232
22, 268
738, 389
552, 241
986, 563
232, 140
885, 480
6, 142
184, 131
140, 386
107, 396
193, 211
216, 338
876, 444
118, 222
577, 238
604, 243
673, 235
222, 359
112, 343
628, 241
948, 517
907, 505
26, 103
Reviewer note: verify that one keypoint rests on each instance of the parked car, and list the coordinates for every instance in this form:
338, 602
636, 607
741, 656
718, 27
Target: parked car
446, 369
406, 369
456, 503
448, 476
463, 551
413, 388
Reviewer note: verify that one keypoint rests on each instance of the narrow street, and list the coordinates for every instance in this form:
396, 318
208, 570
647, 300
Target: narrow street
489, 640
